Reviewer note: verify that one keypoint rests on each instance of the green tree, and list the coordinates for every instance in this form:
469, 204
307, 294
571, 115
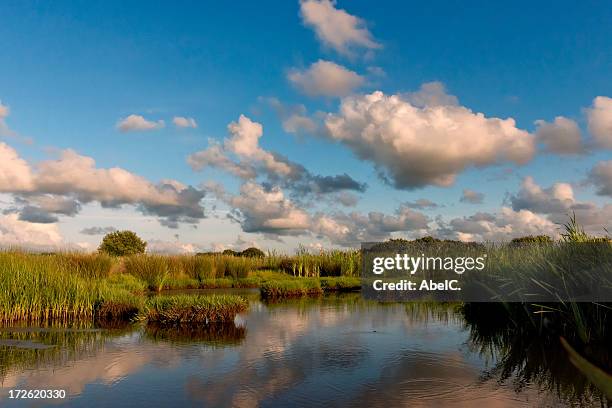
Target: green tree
253, 253
121, 243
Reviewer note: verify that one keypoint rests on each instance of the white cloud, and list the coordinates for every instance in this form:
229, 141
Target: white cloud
182, 122
170, 247
417, 146
471, 196
253, 160
601, 177
52, 186
431, 94
325, 78
15, 173
561, 136
501, 226
259, 210
14, 232
336, 28
137, 123
600, 121
557, 203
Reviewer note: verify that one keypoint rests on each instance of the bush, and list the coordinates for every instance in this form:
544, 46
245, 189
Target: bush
253, 253
533, 239
122, 243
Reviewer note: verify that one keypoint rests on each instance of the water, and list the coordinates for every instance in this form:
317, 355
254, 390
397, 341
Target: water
333, 351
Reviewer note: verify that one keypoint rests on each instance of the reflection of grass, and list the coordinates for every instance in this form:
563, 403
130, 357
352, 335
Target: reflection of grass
195, 308
217, 334
69, 343
525, 340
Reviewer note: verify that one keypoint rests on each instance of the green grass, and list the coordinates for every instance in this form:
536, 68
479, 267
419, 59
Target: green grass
194, 308
45, 288
291, 288
152, 269
341, 284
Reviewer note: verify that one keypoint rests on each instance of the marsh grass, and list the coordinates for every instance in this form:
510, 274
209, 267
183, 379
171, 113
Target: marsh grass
180, 309
46, 288
340, 284
291, 288
152, 269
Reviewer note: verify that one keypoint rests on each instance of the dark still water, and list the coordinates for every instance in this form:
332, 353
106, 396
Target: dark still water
333, 351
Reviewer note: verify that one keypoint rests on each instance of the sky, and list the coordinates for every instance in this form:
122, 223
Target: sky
205, 126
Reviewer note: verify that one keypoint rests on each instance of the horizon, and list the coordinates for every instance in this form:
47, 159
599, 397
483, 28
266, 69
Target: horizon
324, 124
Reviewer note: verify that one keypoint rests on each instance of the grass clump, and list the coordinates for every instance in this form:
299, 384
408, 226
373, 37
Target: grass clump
181, 282
340, 284
195, 309
291, 288
127, 282
152, 269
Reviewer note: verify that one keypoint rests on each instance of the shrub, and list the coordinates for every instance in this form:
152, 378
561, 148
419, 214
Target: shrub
533, 239
253, 253
122, 243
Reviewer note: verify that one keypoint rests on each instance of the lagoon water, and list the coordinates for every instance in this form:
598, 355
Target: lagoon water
334, 351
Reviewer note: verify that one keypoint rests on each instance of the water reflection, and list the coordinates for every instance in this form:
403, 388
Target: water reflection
332, 351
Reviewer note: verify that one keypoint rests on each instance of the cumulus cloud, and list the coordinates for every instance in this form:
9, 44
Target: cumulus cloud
183, 122
561, 136
271, 212
557, 202
15, 173
415, 146
336, 28
242, 156
97, 230
431, 94
471, 196
294, 118
137, 123
258, 210
356, 227
325, 78
501, 226
15, 232
599, 118
601, 177
60, 186
421, 204
170, 247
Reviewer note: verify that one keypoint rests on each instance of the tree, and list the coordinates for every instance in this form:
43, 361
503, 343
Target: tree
121, 243
253, 253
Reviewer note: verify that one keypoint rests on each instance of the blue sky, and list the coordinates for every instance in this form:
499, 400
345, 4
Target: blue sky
71, 71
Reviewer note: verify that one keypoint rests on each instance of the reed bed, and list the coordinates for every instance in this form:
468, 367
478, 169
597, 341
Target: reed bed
44, 288
152, 269
180, 309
